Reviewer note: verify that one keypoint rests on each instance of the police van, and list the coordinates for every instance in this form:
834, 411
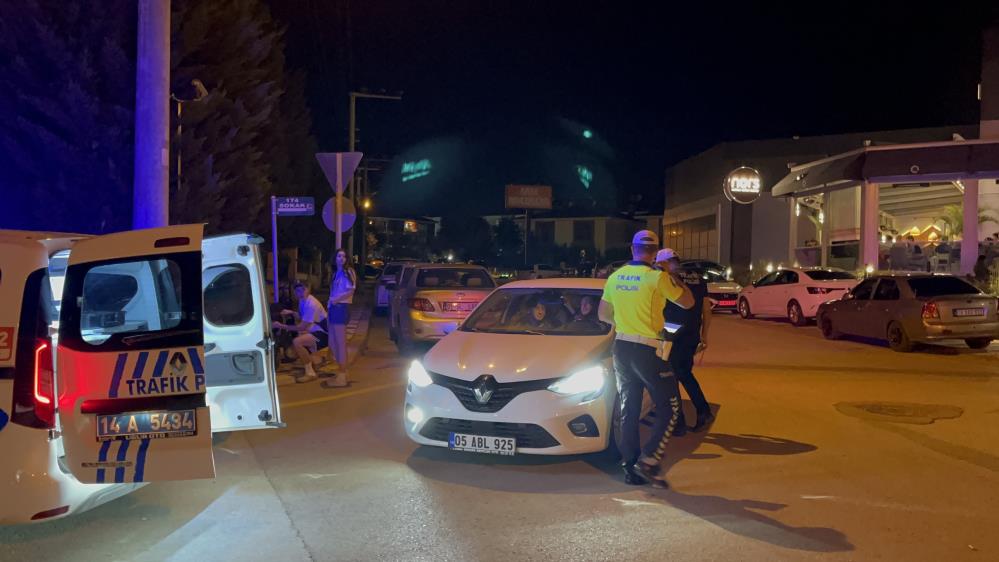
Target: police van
120, 355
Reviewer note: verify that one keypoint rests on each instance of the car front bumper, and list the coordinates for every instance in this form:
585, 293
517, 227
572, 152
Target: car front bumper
533, 413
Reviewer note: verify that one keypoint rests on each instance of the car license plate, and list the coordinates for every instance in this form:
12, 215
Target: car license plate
459, 306
482, 444
969, 312
726, 303
147, 425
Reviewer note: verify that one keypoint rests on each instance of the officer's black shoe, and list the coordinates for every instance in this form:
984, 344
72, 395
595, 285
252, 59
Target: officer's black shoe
632, 477
651, 473
680, 430
703, 422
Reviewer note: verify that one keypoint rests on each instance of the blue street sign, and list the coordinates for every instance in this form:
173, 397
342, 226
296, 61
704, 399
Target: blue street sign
295, 206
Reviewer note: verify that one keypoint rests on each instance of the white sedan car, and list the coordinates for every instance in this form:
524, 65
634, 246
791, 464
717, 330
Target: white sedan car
794, 293
529, 372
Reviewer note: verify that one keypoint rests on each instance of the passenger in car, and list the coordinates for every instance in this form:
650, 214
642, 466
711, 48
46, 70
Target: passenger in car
538, 317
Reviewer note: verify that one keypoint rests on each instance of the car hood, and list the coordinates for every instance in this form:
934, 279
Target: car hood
727, 287
514, 357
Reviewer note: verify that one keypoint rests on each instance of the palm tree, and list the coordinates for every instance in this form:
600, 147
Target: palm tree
953, 218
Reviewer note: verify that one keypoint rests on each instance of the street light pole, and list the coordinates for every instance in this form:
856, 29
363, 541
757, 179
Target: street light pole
201, 93
352, 140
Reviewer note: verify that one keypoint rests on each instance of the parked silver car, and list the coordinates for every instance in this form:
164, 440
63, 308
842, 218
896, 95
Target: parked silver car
907, 309
433, 299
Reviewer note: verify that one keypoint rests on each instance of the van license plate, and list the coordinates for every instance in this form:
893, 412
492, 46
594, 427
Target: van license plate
147, 425
969, 312
506, 446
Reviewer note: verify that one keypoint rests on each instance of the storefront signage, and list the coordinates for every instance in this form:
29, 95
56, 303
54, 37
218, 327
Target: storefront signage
743, 185
528, 197
416, 170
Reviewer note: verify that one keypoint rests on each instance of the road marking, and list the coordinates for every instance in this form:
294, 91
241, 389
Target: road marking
339, 396
635, 503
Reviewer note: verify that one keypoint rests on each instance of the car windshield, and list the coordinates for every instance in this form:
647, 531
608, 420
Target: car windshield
709, 275
562, 312
829, 275
454, 277
939, 286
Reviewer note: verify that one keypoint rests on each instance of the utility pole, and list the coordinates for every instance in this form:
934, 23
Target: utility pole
352, 139
151, 194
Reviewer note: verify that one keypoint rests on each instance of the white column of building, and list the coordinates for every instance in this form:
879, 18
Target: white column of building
825, 209
969, 236
869, 240
792, 242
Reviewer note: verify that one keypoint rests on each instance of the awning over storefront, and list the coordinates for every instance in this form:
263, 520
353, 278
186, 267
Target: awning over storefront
901, 163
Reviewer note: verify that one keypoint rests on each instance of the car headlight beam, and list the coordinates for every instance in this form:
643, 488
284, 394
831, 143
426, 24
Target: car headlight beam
590, 381
418, 375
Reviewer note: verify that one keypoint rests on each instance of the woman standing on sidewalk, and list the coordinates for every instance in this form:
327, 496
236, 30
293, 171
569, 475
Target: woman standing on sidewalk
341, 296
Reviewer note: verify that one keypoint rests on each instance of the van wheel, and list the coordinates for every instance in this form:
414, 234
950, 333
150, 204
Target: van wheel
744, 310
826, 325
897, 338
978, 343
795, 315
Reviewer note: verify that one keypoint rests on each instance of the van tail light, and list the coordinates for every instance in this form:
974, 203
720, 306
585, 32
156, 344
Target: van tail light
819, 291
44, 383
423, 305
930, 310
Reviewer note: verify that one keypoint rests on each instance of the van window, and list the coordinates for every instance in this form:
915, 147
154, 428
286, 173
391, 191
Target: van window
138, 296
228, 295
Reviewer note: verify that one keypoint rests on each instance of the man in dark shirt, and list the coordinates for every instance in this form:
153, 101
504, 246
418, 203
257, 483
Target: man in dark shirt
694, 323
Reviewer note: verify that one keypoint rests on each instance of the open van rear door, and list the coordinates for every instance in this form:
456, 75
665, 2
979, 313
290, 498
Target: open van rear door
239, 346
131, 378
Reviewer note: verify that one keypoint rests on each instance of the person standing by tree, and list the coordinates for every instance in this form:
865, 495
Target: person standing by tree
342, 286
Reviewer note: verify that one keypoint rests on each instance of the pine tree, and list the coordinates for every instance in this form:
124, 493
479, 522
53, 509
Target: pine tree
67, 81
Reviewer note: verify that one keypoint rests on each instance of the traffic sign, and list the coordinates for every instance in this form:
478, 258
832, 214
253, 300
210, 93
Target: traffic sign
528, 196
348, 164
347, 218
295, 206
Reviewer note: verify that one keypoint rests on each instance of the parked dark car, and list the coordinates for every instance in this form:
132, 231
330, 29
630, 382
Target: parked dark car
908, 309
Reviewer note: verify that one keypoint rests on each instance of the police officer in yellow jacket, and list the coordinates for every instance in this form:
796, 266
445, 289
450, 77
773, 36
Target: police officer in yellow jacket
633, 300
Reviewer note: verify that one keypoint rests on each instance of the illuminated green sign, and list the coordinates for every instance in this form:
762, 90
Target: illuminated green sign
585, 176
414, 170
587, 134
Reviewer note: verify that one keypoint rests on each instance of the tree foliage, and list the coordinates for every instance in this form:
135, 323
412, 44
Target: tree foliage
67, 92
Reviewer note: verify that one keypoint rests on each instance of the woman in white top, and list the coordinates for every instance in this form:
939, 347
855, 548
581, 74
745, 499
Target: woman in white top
341, 296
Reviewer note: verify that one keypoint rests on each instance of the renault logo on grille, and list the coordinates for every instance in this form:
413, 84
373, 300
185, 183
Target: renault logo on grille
484, 388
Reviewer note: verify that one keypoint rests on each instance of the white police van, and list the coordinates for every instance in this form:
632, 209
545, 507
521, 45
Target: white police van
120, 355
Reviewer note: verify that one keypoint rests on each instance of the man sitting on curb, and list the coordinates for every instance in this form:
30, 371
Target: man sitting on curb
311, 328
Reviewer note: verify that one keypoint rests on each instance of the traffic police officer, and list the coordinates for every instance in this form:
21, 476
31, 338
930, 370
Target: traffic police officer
693, 331
633, 300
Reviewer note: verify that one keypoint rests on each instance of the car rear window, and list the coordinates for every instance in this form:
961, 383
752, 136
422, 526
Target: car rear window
939, 286
454, 277
825, 275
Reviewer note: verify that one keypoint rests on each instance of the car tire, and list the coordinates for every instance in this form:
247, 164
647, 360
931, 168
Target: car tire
978, 343
826, 327
898, 340
795, 314
744, 309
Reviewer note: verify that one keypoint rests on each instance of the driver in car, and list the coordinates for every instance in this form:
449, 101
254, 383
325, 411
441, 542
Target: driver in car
585, 317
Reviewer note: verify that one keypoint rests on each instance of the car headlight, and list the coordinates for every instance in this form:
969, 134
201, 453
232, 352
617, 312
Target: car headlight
589, 381
418, 375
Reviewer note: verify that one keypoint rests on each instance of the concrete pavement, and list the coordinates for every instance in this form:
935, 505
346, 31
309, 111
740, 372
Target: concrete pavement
821, 450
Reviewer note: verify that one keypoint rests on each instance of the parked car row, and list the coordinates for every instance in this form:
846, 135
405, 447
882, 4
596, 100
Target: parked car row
904, 309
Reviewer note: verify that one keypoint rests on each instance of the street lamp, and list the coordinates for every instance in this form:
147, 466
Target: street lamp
200, 93
352, 139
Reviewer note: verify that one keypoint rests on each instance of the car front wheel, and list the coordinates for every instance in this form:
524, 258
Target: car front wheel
826, 325
744, 310
898, 340
978, 343
795, 315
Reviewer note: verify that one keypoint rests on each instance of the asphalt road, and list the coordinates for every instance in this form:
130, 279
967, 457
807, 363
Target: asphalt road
821, 450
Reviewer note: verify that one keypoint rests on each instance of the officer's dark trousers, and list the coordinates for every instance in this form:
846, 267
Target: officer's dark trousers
681, 360
637, 368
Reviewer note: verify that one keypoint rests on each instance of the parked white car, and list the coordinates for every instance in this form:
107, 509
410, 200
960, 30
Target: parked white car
794, 293
120, 355
529, 372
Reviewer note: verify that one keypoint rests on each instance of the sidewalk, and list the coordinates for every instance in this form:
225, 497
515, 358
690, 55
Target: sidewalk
357, 337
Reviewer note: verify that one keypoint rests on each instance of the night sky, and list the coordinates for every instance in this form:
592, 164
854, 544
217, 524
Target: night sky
655, 84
